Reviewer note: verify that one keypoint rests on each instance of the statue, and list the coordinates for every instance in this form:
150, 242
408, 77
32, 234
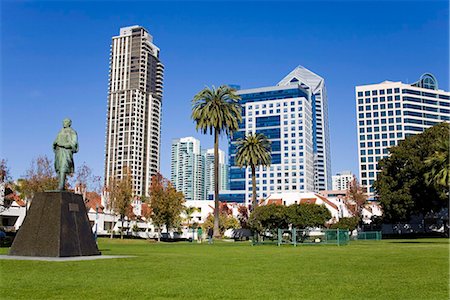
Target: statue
64, 146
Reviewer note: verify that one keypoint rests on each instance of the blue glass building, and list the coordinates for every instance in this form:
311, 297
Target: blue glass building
293, 115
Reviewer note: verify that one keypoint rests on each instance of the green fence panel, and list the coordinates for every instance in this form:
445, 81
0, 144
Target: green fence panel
369, 235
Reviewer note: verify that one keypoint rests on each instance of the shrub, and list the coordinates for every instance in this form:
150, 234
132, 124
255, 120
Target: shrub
346, 223
307, 215
271, 217
268, 217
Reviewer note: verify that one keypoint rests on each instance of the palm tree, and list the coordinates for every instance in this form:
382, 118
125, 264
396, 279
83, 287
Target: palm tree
253, 150
439, 175
216, 110
189, 211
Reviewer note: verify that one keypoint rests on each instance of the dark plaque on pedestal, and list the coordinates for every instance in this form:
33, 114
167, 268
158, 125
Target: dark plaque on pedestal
56, 225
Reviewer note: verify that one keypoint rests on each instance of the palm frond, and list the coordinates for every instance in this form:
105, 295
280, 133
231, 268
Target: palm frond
253, 150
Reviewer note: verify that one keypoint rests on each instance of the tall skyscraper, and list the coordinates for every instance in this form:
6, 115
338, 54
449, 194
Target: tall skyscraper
293, 115
342, 180
388, 112
134, 108
208, 158
187, 168
321, 131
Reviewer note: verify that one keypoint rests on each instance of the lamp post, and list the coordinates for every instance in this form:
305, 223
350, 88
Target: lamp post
96, 222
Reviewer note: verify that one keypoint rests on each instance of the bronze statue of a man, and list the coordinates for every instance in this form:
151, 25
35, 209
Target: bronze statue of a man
64, 146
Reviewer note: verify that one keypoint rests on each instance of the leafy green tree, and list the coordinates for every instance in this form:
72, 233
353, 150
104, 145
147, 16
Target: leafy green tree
268, 217
401, 185
346, 223
307, 215
225, 222
252, 151
216, 111
166, 203
439, 166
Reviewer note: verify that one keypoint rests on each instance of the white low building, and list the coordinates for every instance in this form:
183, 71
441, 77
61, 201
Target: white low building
337, 209
11, 217
371, 209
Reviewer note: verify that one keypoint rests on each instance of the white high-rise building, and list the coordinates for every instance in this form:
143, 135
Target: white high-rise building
208, 158
342, 180
388, 112
321, 132
187, 168
293, 115
133, 126
192, 169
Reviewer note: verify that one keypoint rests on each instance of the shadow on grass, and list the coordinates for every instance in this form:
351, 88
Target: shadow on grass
419, 242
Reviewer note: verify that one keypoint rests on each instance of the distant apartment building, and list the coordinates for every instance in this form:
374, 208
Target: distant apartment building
294, 117
192, 169
208, 158
133, 126
187, 168
390, 111
342, 180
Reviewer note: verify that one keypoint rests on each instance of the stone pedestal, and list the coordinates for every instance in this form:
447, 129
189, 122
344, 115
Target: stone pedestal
56, 225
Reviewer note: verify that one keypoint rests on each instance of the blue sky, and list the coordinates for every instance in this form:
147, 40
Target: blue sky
54, 62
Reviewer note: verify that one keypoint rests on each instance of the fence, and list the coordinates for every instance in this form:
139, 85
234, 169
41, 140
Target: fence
369, 235
304, 237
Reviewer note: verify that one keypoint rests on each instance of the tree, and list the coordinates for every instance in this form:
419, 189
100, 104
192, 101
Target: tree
39, 177
4, 171
120, 196
401, 185
83, 176
225, 222
346, 223
268, 218
166, 203
356, 198
189, 211
307, 215
252, 151
84, 180
439, 166
243, 216
4, 182
216, 110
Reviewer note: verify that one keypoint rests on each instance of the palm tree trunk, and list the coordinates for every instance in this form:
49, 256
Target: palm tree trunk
216, 184
253, 187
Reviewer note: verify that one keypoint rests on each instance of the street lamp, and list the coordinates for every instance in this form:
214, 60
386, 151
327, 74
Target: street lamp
96, 222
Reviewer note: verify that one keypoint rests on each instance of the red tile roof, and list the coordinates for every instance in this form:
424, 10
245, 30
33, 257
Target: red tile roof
94, 200
275, 201
324, 199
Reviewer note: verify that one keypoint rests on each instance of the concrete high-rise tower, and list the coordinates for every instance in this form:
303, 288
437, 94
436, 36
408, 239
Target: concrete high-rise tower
133, 126
388, 112
208, 158
187, 168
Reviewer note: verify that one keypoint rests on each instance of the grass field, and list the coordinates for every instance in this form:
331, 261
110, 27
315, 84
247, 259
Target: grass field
388, 269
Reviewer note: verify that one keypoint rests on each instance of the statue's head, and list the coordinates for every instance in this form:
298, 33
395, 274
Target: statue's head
67, 122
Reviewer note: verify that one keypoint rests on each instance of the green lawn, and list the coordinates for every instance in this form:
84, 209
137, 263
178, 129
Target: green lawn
388, 269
